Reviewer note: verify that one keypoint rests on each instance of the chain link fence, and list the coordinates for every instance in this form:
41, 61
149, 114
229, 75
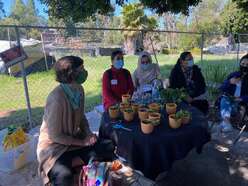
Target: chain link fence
216, 54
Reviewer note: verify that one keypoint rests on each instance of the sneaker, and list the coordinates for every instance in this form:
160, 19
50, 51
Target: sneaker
226, 126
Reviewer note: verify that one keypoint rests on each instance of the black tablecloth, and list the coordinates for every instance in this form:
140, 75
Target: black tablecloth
154, 153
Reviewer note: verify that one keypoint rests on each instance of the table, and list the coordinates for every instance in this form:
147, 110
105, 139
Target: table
155, 153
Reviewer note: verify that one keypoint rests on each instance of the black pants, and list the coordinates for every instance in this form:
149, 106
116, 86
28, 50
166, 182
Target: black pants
62, 174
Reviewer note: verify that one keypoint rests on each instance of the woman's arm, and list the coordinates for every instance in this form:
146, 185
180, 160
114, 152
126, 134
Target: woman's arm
106, 89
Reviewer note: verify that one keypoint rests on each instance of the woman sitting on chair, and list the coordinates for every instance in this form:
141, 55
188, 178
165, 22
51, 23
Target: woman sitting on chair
65, 133
146, 71
186, 74
235, 94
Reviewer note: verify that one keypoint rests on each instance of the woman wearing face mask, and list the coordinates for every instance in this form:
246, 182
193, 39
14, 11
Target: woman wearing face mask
186, 74
146, 71
116, 81
65, 133
235, 93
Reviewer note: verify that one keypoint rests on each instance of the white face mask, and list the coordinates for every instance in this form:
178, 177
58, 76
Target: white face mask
146, 66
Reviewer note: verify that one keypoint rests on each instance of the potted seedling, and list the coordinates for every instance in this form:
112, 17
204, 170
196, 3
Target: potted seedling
123, 106
143, 113
128, 114
114, 111
175, 120
126, 98
154, 106
146, 126
171, 108
135, 107
186, 116
155, 118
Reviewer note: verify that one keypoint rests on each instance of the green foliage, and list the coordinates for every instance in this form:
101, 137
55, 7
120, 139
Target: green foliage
205, 18
242, 4
175, 6
133, 17
195, 51
217, 72
165, 51
35, 34
18, 10
113, 37
170, 95
184, 113
235, 19
79, 10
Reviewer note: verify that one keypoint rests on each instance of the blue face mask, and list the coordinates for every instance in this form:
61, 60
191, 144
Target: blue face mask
146, 66
118, 64
190, 63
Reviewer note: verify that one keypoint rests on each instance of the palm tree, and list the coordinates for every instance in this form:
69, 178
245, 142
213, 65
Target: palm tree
133, 17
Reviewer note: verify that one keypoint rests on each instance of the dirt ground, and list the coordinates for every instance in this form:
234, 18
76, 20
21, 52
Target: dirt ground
220, 164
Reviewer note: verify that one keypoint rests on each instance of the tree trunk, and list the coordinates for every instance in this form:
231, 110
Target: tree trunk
130, 45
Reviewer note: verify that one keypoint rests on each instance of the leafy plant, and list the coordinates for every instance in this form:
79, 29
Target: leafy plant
147, 122
113, 107
128, 110
179, 115
170, 95
184, 113
11, 129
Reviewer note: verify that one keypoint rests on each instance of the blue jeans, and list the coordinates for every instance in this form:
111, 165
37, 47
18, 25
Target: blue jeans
228, 107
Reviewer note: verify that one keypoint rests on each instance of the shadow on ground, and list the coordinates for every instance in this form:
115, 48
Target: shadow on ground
211, 168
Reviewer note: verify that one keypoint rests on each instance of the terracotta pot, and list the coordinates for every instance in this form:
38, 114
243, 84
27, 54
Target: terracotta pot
185, 120
128, 115
124, 106
126, 98
146, 126
154, 106
143, 114
155, 118
171, 108
135, 107
113, 112
174, 123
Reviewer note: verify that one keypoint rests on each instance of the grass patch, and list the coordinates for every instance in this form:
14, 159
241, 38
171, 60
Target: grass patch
214, 68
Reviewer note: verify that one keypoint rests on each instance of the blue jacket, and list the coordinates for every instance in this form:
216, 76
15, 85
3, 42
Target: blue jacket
229, 88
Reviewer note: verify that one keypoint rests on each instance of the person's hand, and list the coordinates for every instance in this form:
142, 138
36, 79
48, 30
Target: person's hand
189, 99
90, 140
234, 80
238, 99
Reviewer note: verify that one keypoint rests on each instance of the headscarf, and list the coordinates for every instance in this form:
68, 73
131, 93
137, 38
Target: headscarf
141, 76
